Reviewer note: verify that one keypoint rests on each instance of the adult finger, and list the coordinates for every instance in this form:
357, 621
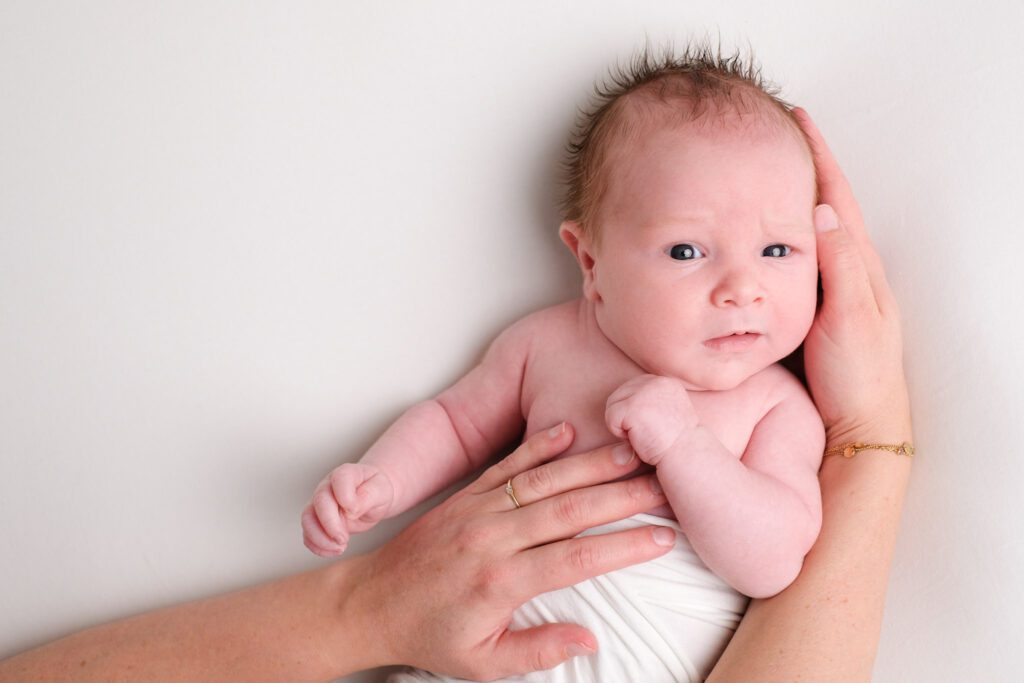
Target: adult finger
537, 449
844, 276
541, 647
585, 469
566, 563
567, 514
834, 189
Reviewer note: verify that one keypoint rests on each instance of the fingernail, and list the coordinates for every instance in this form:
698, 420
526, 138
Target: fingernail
656, 485
578, 650
664, 536
622, 454
557, 430
825, 218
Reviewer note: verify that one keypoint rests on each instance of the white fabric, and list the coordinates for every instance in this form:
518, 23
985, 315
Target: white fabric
664, 620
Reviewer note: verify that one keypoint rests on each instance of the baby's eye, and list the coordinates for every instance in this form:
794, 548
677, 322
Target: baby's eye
776, 250
684, 252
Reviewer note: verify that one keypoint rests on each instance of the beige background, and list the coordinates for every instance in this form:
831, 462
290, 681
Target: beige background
238, 239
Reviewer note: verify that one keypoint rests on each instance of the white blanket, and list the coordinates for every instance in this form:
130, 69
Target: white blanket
664, 620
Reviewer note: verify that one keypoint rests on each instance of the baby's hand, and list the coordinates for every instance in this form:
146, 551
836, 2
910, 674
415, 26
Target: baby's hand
352, 498
653, 413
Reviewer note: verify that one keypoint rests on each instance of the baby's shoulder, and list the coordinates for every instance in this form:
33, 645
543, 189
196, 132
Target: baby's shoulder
546, 328
548, 324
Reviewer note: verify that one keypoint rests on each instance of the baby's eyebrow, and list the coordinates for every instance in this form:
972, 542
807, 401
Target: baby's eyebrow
697, 221
679, 222
790, 228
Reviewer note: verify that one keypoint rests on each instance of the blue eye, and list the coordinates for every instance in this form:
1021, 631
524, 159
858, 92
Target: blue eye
777, 250
684, 252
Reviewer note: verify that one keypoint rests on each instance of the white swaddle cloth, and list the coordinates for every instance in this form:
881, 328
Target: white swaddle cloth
664, 620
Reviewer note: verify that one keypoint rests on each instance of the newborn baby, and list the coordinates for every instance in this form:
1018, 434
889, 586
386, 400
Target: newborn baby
690, 215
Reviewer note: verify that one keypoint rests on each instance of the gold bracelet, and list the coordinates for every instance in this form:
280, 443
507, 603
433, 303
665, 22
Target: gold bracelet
849, 450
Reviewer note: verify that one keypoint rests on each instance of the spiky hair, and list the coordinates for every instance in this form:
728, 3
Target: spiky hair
696, 86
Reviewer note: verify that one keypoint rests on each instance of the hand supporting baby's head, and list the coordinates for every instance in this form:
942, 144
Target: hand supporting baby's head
689, 211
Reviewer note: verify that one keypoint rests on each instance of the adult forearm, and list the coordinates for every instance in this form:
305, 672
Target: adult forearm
826, 625
747, 527
290, 629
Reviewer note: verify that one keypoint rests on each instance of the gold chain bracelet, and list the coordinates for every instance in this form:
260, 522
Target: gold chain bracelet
851, 449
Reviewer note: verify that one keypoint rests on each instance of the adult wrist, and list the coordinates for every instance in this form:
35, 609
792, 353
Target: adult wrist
353, 641
892, 428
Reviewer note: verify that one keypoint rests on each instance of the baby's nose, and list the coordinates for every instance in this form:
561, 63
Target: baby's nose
739, 289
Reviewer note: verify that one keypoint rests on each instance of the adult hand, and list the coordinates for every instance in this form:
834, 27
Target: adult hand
853, 358
441, 594
853, 354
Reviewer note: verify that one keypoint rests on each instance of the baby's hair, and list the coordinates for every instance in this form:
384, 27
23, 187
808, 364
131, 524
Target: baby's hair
704, 82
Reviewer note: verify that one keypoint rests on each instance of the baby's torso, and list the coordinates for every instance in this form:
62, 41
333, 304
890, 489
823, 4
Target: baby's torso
573, 368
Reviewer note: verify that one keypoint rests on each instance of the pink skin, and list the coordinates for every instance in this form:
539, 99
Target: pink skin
731, 196
735, 439
724, 200
352, 498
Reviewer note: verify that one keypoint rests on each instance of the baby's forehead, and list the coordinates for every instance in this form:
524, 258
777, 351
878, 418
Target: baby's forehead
748, 117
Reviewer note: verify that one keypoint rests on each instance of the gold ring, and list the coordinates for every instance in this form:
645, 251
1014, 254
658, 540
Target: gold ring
511, 493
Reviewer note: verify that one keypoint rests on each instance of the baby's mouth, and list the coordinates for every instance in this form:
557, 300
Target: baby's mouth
737, 341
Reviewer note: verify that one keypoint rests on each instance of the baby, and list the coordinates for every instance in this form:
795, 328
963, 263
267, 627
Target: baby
690, 214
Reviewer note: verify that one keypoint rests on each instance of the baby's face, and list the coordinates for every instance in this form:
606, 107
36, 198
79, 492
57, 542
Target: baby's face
706, 234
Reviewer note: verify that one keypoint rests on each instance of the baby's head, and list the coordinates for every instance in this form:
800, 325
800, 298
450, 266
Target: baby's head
689, 208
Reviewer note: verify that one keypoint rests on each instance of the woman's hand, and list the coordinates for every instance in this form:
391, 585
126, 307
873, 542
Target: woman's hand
853, 358
441, 594
853, 354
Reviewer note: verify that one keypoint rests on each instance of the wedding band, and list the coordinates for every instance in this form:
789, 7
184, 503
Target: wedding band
511, 493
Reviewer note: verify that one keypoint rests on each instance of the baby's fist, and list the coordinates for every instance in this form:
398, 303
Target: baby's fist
352, 498
653, 413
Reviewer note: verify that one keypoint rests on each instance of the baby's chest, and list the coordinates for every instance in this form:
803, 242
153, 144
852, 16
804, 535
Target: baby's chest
575, 387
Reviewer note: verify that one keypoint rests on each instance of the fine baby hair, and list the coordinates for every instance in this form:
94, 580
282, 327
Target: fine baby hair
700, 85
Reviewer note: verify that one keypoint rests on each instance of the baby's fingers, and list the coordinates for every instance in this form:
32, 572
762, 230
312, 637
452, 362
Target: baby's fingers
315, 538
615, 418
327, 513
373, 498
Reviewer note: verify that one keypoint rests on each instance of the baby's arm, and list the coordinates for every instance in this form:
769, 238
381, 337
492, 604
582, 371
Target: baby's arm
751, 520
431, 445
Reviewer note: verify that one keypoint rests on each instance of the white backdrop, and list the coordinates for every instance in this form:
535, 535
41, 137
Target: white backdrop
238, 239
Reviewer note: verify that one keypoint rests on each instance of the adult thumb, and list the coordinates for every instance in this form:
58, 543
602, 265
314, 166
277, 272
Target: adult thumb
844, 278
542, 647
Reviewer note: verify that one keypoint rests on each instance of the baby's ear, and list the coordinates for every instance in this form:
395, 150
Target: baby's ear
582, 248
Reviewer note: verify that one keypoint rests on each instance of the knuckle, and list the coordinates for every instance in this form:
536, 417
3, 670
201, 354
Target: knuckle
473, 536
338, 479
507, 465
322, 500
639, 489
572, 508
540, 481
543, 659
491, 583
583, 557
